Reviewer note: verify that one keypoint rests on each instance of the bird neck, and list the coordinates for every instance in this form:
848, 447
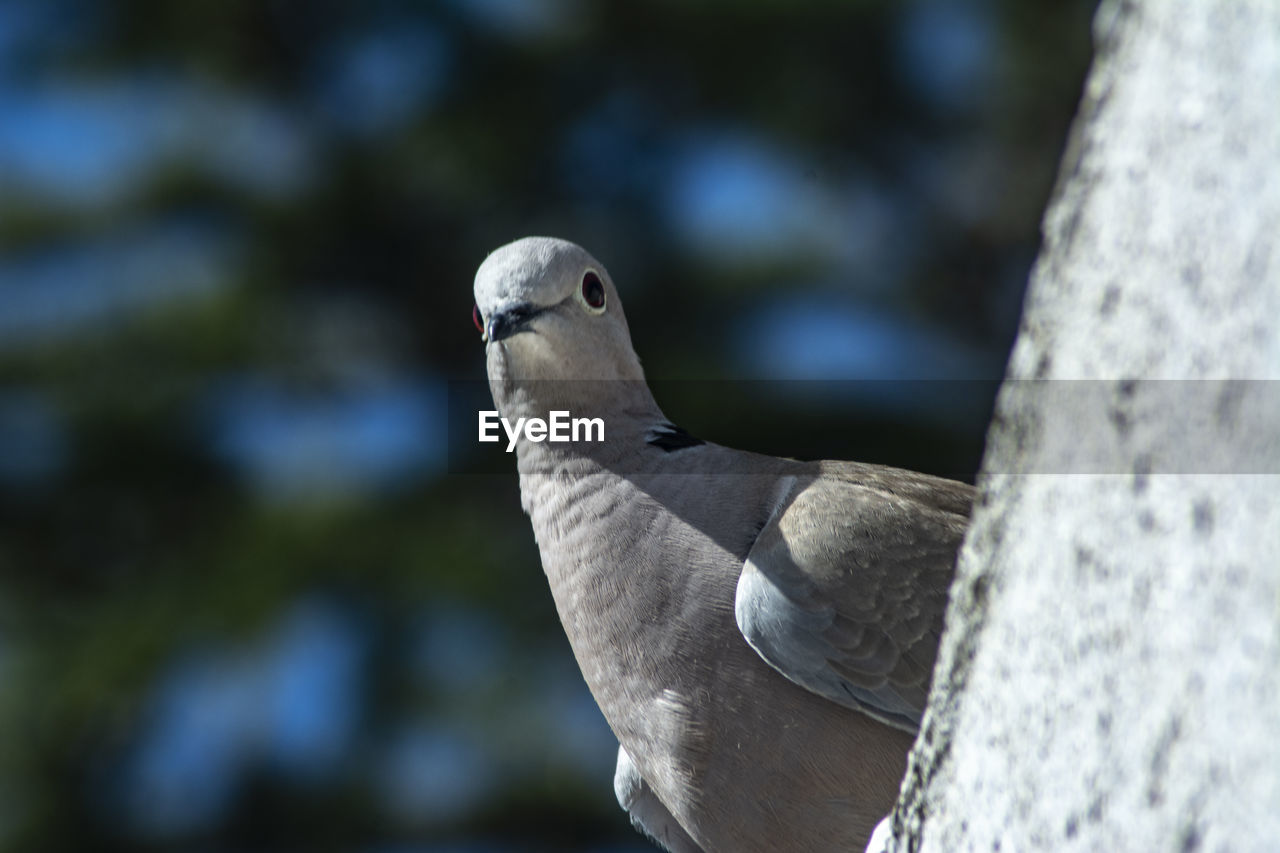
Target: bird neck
599, 416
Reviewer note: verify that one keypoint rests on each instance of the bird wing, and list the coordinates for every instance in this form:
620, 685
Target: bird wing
845, 588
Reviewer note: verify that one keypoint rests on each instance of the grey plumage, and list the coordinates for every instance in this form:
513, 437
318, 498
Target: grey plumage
759, 632
648, 814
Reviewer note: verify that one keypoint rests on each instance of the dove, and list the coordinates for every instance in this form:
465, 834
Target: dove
759, 632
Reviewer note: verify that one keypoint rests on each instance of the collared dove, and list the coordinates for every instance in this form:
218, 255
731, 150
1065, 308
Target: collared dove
759, 632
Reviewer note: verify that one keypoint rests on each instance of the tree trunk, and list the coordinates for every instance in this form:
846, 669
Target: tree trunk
1110, 677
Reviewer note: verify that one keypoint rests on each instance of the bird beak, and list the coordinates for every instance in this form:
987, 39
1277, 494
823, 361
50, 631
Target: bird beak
510, 321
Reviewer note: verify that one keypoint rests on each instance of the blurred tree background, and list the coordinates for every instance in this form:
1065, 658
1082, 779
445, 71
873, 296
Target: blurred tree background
247, 601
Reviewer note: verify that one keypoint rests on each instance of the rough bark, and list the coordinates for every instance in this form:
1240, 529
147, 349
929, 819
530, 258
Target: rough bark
1110, 678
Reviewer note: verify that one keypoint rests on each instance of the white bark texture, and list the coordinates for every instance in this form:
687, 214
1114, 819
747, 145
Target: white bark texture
1110, 677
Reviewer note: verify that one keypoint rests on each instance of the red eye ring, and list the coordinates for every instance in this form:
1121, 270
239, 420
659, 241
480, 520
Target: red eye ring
593, 290
476, 318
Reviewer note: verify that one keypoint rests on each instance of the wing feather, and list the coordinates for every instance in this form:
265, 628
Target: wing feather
845, 588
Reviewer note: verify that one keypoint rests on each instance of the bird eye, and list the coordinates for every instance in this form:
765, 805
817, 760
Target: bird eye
593, 291
476, 318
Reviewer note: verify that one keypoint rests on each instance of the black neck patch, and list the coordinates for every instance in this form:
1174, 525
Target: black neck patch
671, 438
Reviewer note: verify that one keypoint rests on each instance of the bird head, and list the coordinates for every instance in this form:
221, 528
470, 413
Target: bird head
549, 311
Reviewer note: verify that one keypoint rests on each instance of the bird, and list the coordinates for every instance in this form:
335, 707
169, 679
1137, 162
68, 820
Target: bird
759, 632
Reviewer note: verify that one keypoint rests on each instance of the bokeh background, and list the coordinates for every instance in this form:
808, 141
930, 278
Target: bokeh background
246, 601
